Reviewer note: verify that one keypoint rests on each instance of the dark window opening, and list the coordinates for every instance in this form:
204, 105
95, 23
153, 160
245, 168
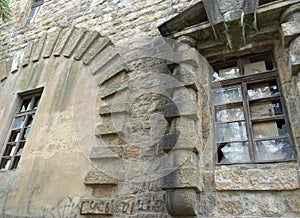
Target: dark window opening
263, 2
19, 131
35, 8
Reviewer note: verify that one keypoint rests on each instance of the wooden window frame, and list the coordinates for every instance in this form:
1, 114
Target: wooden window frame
244, 81
11, 150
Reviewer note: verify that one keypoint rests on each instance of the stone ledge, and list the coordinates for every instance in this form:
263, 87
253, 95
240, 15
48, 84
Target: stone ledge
96, 177
109, 128
105, 152
96, 206
114, 108
278, 176
107, 91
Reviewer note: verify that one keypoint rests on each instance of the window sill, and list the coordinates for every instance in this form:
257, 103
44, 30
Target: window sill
277, 176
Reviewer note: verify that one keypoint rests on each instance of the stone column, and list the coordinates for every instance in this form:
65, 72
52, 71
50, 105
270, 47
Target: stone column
290, 37
182, 141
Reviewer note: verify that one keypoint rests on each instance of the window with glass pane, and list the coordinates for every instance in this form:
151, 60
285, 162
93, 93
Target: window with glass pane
18, 134
36, 5
250, 120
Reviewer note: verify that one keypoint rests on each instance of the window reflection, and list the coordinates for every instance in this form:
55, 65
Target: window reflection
274, 150
19, 121
263, 90
237, 152
228, 95
229, 132
229, 114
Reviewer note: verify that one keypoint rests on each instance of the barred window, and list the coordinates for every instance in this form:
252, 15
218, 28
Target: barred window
19, 131
250, 119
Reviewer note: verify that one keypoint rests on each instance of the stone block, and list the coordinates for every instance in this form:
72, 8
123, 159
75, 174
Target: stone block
207, 203
73, 41
109, 128
182, 125
114, 108
289, 31
295, 55
27, 53
208, 181
109, 90
51, 39
106, 58
186, 140
105, 152
38, 48
131, 151
260, 203
171, 111
88, 41
181, 202
186, 79
291, 202
158, 202
3, 71
125, 205
62, 40
96, 177
181, 109
96, 206
282, 176
183, 177
109, 71
97, 46
230, 207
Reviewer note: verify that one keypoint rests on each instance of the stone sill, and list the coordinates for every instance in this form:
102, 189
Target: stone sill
277, 176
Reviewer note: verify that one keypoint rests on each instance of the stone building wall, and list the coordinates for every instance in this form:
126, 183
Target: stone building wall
124, 128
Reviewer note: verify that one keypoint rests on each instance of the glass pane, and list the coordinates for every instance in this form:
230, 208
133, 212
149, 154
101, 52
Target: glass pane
20, 149
229, 132
29, 120
263, 90
36, 102
229, 114
19, 121
258, 64
269, 129
25, 105
237, 152
228, 95
10, 150
226, 71
4, 165
265, 109
14, 136
26, 132
274, 150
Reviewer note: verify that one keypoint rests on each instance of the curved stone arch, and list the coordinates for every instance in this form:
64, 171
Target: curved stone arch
97, 54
